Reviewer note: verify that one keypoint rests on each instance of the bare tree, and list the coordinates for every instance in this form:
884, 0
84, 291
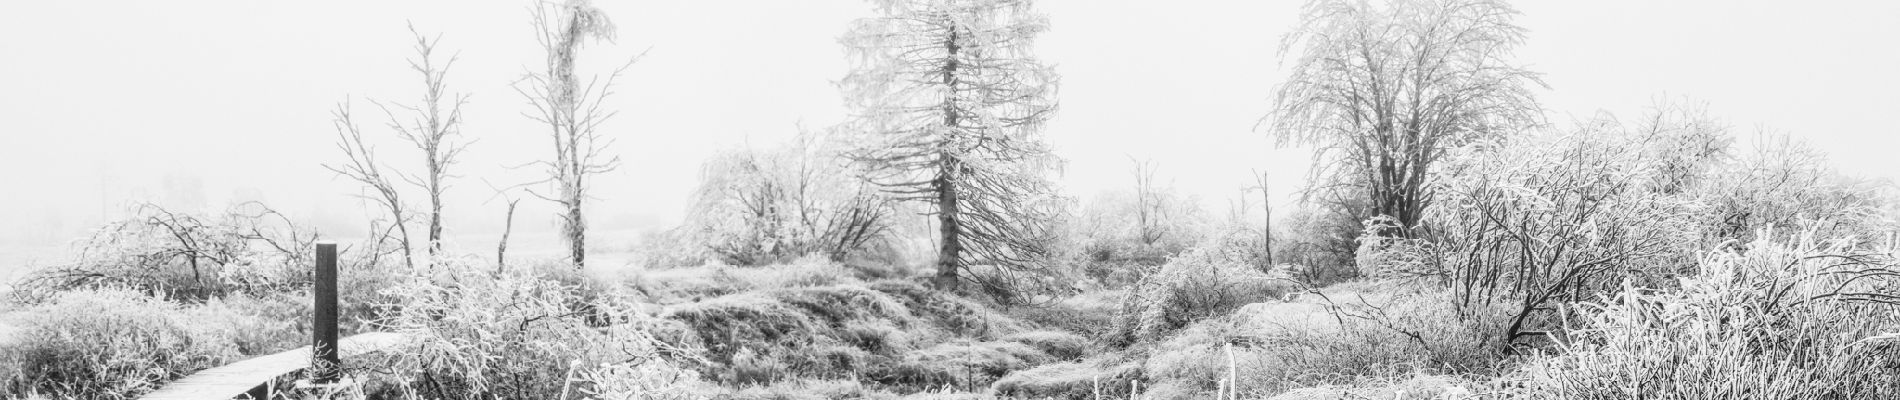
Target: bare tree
1385, 88
432, 126
571, 108
952, 101
1266, 216
1149, 208
364, 169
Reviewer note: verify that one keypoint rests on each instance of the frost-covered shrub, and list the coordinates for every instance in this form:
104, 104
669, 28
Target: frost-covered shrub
1552, 219
186, 255
1382, 255
1207, 281
757, 207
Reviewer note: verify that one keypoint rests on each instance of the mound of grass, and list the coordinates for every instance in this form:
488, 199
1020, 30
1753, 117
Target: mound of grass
894, 333
959, 315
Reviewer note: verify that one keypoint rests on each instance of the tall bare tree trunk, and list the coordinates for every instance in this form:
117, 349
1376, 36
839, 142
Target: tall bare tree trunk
435, 211
1266, 208
948, 262
948, 255
501, 248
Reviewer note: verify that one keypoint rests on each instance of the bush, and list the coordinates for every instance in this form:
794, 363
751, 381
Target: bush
761, 207
1555, 219
187, 256
108, 344
1208, 281
1319, 240
1804, 319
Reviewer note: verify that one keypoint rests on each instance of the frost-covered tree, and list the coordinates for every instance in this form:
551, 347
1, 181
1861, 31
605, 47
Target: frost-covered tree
1384, 88
950, 102
434, 126
570, 105
757, 206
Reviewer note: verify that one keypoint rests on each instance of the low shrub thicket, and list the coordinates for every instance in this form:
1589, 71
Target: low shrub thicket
249, 248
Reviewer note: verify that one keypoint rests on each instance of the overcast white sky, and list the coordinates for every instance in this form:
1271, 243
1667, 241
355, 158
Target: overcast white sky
99, 99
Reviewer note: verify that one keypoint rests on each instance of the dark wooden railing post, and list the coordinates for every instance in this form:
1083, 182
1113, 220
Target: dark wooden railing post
326, 367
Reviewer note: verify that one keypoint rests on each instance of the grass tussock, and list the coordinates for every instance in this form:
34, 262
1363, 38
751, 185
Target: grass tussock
1088, 313
481, 335
682, 285
1799, 320
111, 344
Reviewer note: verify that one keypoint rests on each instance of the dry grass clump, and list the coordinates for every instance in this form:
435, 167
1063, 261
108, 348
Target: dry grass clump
1414, 387
1089, 313
109, 344
481, 335
809, 389
257, 324
1806, 319
1058, 344
677, 285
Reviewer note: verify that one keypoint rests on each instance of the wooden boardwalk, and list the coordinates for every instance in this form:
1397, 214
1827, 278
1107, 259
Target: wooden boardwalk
246, 377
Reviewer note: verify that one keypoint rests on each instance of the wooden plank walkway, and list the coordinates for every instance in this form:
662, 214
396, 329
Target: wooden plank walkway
240, 378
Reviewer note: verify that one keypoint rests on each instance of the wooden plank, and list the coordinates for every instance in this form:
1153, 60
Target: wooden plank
238, 378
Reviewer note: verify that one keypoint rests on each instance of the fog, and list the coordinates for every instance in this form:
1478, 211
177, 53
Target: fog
198, 104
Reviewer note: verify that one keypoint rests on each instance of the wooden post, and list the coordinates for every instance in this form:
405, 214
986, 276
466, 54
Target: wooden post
327, 366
